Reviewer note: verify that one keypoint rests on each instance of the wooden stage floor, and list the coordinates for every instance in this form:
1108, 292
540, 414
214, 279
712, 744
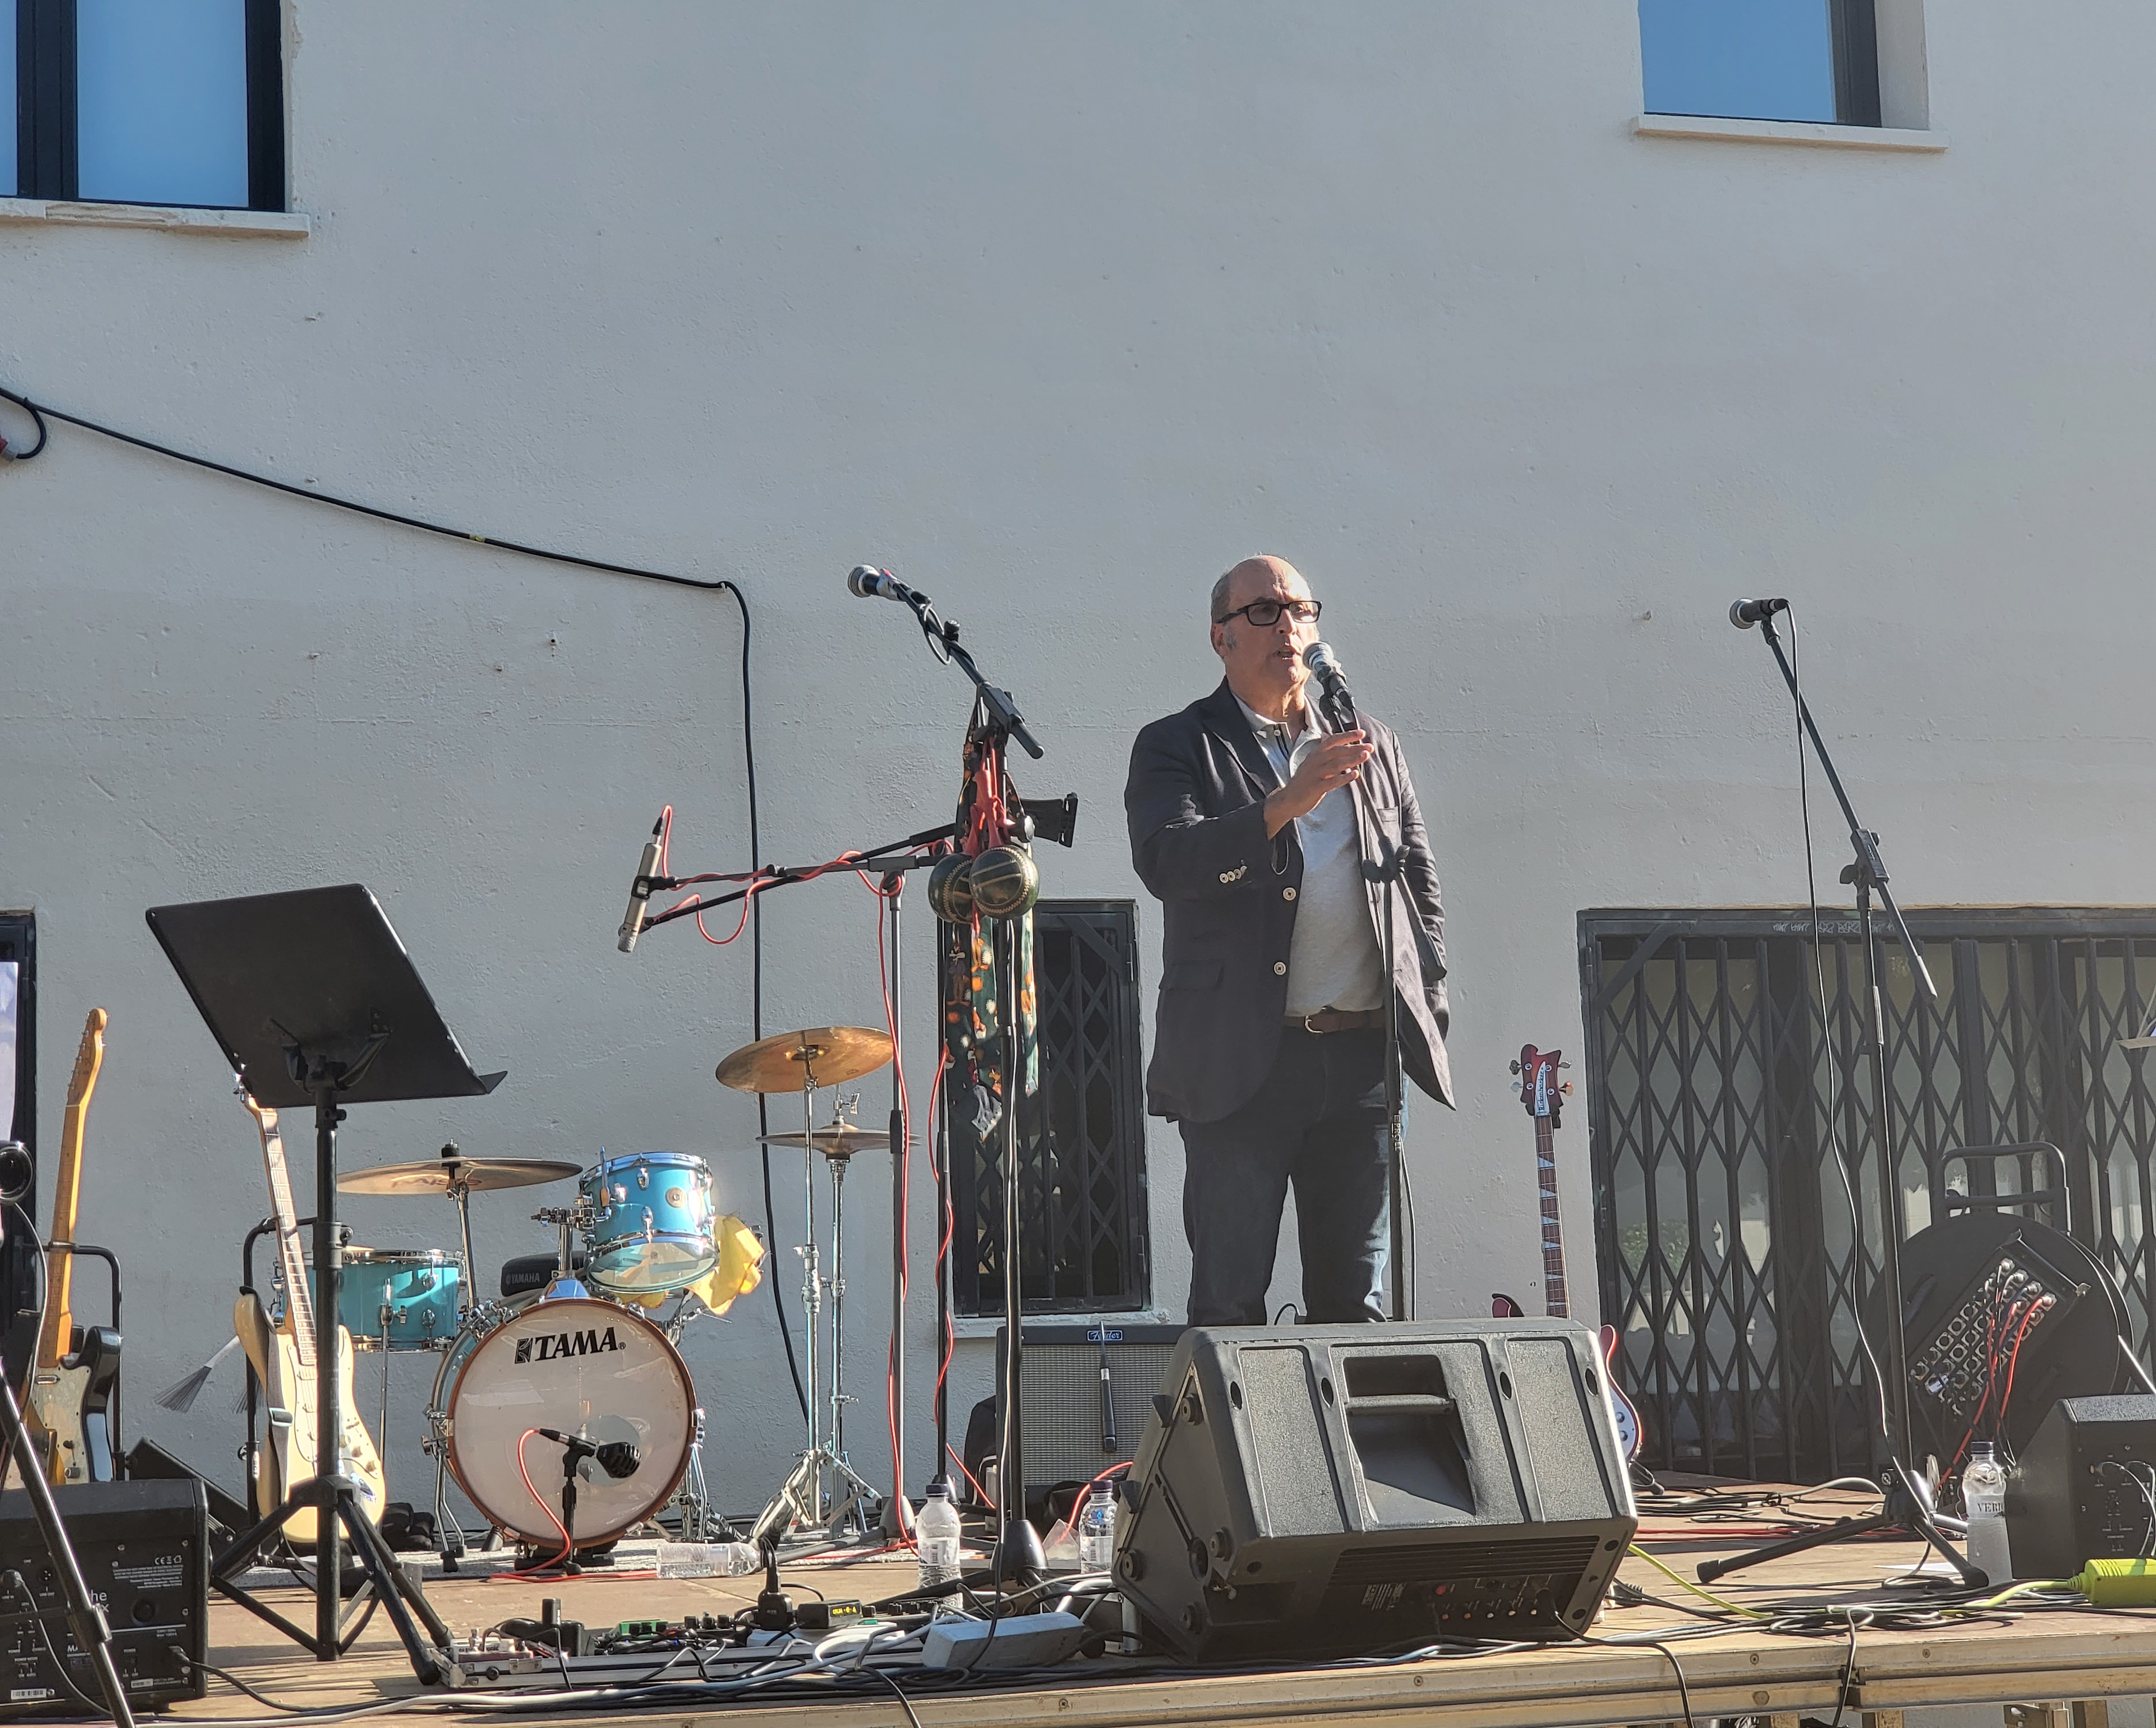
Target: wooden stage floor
2061, 1667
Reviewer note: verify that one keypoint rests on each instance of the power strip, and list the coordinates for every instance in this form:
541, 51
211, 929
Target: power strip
1022, 1641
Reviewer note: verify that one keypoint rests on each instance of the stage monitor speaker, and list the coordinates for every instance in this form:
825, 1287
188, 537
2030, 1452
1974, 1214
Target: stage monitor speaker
1321, 1491
144, 1550
2086, 1487
1085, 1392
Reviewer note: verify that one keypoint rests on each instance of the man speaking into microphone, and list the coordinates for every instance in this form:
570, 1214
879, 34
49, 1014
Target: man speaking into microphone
1251, 818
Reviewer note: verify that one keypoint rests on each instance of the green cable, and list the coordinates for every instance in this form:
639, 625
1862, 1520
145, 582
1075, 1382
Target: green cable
1678, 1578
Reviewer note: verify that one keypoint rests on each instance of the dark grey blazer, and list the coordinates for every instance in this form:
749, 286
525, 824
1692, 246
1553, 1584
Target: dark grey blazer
1195, 804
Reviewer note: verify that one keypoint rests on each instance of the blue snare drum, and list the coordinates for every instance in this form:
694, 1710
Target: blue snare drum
652, 1219
400, 1299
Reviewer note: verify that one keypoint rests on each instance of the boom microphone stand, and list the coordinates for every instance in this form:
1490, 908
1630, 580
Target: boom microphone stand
1909, 1496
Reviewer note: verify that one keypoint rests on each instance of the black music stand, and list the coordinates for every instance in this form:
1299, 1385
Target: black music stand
314, 1000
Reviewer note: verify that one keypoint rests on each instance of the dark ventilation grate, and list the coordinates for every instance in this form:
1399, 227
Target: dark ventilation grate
1083, 1139
1715, 1086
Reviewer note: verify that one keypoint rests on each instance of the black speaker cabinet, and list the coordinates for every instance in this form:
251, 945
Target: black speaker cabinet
2084, 1487
144, 1549
1331, 1490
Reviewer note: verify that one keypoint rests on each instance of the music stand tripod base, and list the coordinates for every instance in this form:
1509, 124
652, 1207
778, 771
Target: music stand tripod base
313, 1000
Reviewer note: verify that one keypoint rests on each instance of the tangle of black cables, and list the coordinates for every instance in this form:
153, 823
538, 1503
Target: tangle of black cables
40, 412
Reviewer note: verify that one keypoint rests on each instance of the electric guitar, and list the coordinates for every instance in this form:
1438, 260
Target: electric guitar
288, 1363
1543, 1095
74, 1386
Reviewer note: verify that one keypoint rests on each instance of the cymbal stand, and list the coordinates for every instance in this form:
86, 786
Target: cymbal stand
449, 1530
852, 1500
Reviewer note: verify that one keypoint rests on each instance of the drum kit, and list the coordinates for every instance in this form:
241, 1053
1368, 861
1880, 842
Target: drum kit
574, 1353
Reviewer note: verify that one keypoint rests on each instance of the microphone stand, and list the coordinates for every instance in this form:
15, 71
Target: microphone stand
1908, 1495
1384, 871
1003, 715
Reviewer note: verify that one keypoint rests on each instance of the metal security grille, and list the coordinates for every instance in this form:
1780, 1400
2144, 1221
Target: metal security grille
1081, 1139
1717, 1095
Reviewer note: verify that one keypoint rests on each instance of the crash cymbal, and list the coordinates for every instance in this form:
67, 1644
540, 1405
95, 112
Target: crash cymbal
840, 1139
439, 1175
789, 1061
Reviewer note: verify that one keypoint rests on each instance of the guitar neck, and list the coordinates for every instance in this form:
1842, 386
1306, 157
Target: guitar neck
58, 1333
1554, 1297
299, 1302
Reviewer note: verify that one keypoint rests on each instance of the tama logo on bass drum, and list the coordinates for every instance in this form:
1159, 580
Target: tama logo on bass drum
547, 1345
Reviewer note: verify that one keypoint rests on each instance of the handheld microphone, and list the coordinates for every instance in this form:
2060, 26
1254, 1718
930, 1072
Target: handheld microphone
1325, 665
871, 584
1744, 614
640, 889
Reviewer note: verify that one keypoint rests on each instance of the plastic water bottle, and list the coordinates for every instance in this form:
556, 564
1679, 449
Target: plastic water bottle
707, 1560
1983, 1500
1097, 1531
935, 1531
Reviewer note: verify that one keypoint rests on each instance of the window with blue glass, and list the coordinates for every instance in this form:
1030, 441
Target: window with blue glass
145, 102
1761, 59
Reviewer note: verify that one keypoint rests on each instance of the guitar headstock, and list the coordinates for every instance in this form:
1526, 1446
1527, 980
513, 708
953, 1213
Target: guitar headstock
89, 1058
1539, 1088
265, 1118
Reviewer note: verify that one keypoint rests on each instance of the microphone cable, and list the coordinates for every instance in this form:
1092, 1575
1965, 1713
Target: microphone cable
40, 412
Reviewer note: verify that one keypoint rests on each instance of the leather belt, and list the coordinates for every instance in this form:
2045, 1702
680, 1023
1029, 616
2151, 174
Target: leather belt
1340, 1020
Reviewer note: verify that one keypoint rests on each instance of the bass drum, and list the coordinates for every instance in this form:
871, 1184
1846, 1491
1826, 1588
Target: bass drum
591, 1368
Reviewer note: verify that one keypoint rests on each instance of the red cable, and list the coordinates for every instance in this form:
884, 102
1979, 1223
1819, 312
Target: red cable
2035, 1308
981, 1493
568, 1542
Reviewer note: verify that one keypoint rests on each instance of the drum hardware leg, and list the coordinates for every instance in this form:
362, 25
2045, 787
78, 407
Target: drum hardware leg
839, 1401
381, 1442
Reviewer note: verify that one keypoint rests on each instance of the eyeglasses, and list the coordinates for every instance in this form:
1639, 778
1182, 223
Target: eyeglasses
1265, 613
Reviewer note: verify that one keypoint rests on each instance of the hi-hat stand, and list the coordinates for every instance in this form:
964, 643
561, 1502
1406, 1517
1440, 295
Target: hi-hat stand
823, 1490
1909, 1496
314, 1000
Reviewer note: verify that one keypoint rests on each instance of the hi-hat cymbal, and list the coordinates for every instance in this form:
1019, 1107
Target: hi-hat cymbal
439, 1175
793, 1062
837, 1139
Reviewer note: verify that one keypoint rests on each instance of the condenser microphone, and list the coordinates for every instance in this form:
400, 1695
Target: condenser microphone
871, 584
1324, 665
1744, 614
640, 889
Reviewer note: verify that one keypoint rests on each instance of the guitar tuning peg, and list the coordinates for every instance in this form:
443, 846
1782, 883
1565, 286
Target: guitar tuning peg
1516, 1068
1565, 1086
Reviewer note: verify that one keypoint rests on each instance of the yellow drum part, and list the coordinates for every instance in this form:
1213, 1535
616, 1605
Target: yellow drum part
740, 1268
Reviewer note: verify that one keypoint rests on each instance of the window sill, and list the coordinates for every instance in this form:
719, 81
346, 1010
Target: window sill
1815, 133
281, 224
965, 1326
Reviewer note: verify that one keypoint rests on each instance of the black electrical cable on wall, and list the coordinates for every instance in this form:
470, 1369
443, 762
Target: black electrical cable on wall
39, 413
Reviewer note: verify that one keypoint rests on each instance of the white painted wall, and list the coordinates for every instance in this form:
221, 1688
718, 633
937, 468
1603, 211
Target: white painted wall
1057, 311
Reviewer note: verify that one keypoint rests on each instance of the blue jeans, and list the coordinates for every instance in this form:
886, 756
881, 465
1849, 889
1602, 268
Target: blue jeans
1317, 1122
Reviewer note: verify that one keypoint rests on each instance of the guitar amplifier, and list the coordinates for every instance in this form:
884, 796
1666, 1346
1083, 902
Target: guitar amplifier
1086, 1395
144, 1550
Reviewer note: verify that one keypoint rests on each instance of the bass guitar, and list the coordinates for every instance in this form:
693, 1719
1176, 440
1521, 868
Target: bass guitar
288, 1363
75, 1388
1543, 1094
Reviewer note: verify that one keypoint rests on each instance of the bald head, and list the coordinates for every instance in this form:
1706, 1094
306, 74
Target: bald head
1252, 580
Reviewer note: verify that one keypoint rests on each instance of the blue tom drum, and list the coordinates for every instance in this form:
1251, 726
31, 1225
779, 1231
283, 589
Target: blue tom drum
401, 1298
652, 1222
